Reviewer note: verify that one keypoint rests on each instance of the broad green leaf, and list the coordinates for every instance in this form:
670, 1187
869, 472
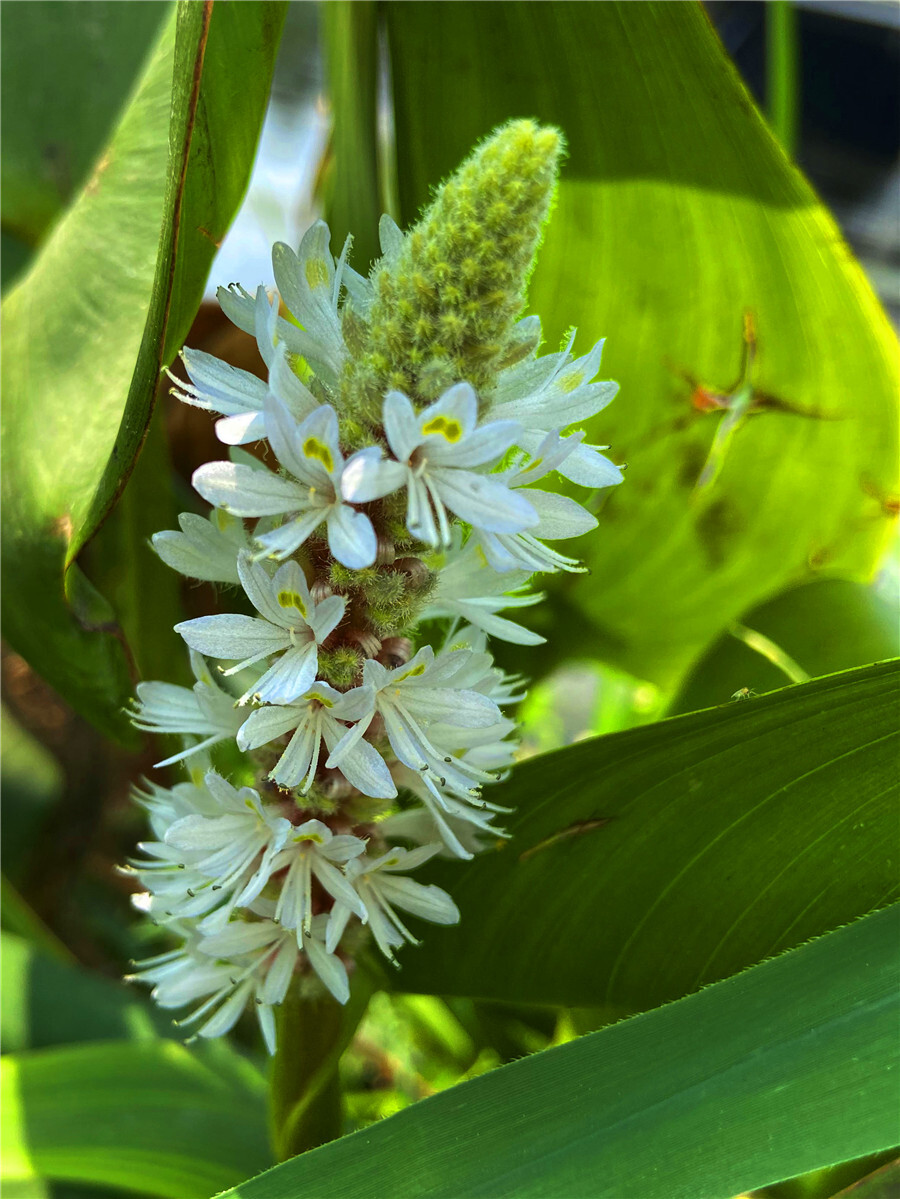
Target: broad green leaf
647, 863
150, 1117
105, 305
34, 1015
32, 783
52, 133
19, 920
352, 186
821, 628
722, 1092
677, 214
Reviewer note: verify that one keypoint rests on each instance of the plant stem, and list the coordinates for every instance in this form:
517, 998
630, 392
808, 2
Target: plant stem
782, 71
305, 1105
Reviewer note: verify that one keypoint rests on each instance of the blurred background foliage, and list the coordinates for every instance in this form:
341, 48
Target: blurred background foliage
752, 546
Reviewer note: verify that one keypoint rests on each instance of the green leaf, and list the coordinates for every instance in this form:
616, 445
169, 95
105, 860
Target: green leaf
105, 305
648, 863
148, 1117
52, 133
21, 920
354, 196
722, 1092
824, 627
34, 1016
32, 784
677, 213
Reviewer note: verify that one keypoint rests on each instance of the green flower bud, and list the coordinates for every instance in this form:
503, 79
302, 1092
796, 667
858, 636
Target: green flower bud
445, 309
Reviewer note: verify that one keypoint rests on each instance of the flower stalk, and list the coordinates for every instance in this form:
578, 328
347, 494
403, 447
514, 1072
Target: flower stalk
408, 418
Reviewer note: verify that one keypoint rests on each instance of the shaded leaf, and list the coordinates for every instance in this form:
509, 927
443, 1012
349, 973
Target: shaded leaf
647, 863
147, 1117
32, 1015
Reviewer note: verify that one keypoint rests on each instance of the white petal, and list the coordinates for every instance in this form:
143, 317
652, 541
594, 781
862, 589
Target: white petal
289, 678
428, 902
232, 636
484, 502
589, 468
559, 516
266, 724
487, 444
400, 425
291, 535
247, 492
326, 616
368, 475
362, 765
200, 550
242, 429
239, 306
330, 969
351, 537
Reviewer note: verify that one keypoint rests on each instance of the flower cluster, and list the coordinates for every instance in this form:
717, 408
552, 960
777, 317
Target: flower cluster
406, 421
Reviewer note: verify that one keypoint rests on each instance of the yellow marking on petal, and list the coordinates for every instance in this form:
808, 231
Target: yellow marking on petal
316, 272
481, 555
326, 703
535, 464
570, 382
416, 670
316, 837
447, 427
291, 599
313, 448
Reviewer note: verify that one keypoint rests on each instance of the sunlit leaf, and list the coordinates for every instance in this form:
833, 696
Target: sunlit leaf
677, 214
823, 627
106, 303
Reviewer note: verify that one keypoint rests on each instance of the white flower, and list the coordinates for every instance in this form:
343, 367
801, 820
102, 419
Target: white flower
311, 851
206, 711
181, 975
206, 548
412, 697
462, 836
467, 588
312, 454
247, 960
382, 891
559, 516
289, 621
235, 851
454, 820
553, 392
310, 286
218, 387
433, 452
165, 805
317, 717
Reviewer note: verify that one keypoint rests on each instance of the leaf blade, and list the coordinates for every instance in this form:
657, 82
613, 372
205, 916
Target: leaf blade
724, 1091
